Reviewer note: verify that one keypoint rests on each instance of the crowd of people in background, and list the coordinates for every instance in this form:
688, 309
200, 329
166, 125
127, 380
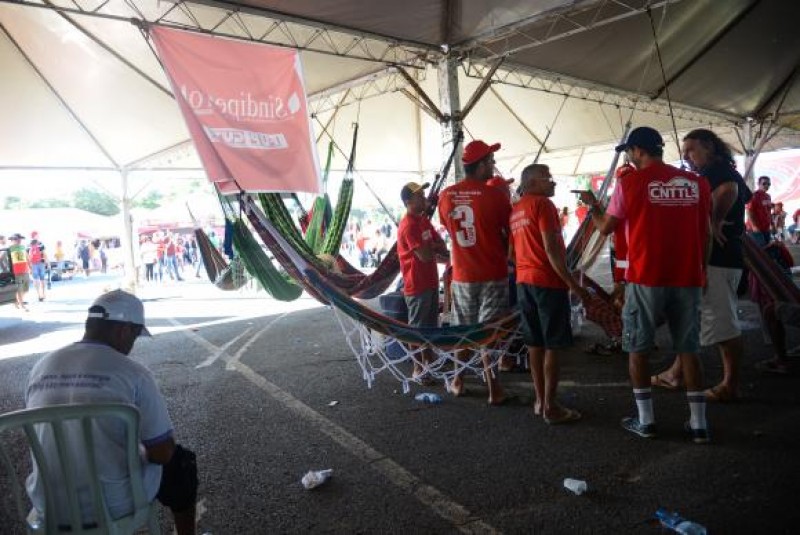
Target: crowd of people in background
35, 265
167, 256
163, 256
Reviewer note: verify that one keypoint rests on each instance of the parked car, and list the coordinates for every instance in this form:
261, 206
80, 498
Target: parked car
66, 271
8, 284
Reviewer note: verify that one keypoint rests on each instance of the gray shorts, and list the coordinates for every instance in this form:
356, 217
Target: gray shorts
718, 306
645, 305
477, 302
423, 309
23, 282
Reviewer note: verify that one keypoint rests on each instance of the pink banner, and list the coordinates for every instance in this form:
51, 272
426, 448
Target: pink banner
245, 106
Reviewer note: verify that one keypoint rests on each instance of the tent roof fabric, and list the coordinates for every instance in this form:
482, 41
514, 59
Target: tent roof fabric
82, 87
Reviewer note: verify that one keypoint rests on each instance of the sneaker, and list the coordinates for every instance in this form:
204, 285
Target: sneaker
699, 436
633, 425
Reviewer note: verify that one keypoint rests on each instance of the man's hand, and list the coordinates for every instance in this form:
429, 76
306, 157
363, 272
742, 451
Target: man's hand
618, 295
586, 196
582, 293
718, 230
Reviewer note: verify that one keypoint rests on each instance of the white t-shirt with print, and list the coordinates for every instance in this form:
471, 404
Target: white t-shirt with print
91, 372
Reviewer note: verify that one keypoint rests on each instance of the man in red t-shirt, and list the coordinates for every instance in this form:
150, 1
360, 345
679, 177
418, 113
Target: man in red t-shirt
759, 212
476, 217
794, 229
580, 212
418, 248
543, 281
667, 214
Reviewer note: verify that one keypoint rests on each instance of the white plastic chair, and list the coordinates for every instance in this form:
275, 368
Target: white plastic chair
60, 418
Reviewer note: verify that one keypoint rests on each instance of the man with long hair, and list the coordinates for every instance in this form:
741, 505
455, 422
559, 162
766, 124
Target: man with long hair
711, 157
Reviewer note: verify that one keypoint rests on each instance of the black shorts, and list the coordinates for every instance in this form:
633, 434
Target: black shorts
545, 317
178, 489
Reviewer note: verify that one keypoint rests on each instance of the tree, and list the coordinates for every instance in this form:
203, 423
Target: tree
150, 201
95, 201
12, 203
49, 203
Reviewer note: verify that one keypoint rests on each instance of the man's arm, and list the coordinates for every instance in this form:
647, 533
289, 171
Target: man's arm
162, 452
722, 200
557, 257
437, 250
605, 223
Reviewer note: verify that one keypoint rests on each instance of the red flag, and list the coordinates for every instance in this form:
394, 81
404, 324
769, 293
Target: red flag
245, 107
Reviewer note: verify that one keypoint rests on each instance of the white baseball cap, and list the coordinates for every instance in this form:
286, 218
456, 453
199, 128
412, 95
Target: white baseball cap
120, 306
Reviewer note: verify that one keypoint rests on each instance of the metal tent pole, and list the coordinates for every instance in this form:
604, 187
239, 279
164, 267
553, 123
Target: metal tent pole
131, 279
450, 104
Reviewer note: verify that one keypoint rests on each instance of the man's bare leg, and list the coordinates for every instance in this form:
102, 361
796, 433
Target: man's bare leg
731, 352
496, 394
185, 521
536, 364
639, 370
694, 393
672, 376
457, 384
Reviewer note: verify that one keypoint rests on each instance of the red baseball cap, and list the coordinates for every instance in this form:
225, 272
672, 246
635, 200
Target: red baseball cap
478, 150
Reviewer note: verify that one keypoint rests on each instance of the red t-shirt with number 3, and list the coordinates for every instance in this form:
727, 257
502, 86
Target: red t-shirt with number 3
476, 217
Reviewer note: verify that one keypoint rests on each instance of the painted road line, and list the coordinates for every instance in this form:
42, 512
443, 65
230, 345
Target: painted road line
432, 498
213, 357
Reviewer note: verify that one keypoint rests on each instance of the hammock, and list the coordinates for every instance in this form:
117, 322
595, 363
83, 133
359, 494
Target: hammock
345, 277
223, 275
312, 278
769, 274
257, 262
232, 277
213, 260
600, 308
318, 221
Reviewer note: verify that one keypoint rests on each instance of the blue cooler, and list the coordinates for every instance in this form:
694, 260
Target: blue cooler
393, 305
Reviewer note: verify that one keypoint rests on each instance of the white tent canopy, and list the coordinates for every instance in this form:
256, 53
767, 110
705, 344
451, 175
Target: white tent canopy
82, 89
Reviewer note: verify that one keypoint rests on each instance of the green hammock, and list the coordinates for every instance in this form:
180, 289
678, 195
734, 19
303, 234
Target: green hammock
321, 211
258, 264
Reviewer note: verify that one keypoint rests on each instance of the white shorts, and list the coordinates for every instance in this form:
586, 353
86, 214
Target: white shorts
718, 317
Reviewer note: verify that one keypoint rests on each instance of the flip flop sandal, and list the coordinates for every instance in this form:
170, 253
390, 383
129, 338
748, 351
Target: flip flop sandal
770, 366
659, 381
508, 401
720, 394
570, 415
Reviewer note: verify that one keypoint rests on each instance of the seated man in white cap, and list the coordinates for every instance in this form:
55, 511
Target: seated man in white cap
97, 370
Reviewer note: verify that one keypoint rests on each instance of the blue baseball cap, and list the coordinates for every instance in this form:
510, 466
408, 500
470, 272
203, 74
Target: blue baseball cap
643, 137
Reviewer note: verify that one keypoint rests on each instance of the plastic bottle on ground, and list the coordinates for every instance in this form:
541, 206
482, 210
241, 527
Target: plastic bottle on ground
315, 478
577, 486
678, 524
428, 397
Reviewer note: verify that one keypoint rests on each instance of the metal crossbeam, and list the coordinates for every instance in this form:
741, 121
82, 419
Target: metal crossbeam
554, 25
560, 85
235, 21
373, 85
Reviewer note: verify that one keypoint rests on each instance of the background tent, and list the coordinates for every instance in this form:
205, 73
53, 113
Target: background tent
83, 93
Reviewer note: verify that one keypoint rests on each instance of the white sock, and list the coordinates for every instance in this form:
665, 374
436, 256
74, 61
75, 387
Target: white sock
697, 409
644, 402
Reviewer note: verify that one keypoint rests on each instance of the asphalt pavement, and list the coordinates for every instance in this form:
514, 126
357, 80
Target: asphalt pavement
250, 383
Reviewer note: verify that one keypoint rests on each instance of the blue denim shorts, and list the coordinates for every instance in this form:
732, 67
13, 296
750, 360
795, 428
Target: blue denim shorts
38, 272
646, 307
